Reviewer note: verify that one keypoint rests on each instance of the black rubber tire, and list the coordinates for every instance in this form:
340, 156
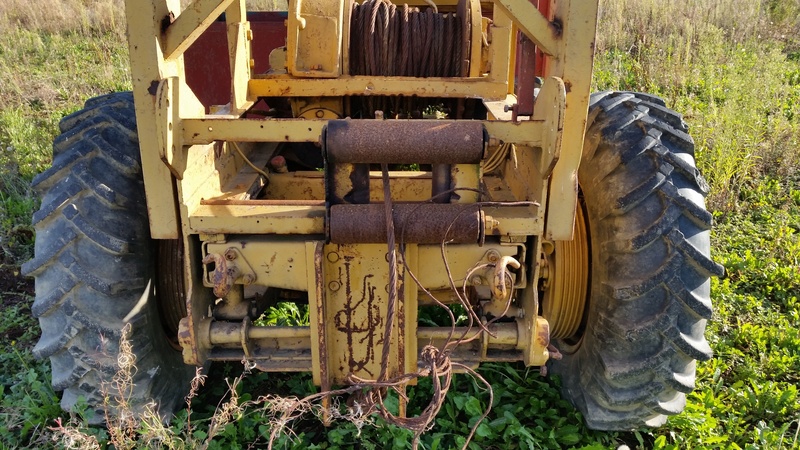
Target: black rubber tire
635, 358
94, 261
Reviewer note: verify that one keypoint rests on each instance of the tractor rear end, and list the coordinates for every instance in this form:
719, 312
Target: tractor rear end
380, 163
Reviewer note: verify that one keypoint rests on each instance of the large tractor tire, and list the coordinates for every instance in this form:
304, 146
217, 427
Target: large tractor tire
95, 266
630, 358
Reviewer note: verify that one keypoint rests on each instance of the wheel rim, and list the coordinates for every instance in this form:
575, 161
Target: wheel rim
565, 297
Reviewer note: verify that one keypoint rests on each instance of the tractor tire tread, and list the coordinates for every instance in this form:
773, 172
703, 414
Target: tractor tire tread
650, 290
93, 265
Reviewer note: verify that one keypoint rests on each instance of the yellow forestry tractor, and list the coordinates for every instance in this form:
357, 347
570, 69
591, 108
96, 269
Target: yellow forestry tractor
378, 163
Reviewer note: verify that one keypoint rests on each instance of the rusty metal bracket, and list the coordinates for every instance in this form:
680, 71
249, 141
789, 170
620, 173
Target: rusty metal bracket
223, 276
229, 268
534, 330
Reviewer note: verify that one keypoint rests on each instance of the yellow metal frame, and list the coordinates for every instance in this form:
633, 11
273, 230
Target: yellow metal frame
199, 182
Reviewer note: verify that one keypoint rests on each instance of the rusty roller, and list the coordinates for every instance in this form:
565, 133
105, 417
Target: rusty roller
425, 223
405, 141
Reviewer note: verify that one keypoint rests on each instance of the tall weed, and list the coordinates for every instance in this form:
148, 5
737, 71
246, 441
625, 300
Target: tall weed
710, 60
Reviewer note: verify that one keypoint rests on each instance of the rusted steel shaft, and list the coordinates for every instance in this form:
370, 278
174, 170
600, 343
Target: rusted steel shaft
503, 334
424, 223
231, 332
405, 141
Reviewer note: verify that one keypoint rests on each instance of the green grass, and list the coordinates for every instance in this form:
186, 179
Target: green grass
27, 401
43, 77
747, 395
732, 68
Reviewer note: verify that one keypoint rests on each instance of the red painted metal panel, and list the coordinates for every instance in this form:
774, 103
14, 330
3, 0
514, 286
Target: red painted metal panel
525, 75
530, 64
541, 59
208, 71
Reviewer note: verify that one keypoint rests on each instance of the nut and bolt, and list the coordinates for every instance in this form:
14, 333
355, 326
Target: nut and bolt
544, 270
248, 279
334, 285
230, 254
476, 281
493, 256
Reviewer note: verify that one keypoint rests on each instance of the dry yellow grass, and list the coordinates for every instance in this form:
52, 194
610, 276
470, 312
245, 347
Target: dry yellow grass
84, 16
623, 23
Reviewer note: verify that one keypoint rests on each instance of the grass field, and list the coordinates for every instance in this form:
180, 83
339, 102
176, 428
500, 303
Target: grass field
731, 67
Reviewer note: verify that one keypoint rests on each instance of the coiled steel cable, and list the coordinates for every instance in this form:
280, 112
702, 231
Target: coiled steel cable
387, 41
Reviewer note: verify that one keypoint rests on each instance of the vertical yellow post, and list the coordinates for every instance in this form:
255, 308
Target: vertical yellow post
148, 67
574, 66
239, 37
503, 56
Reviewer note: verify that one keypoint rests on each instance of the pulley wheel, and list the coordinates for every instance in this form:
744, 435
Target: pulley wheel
566, 287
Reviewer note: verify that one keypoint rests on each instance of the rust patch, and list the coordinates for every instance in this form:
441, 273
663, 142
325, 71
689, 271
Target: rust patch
365, 331
401, 322
153, 88
542, 334
168, 20
186, 341
320, 300
557, 26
